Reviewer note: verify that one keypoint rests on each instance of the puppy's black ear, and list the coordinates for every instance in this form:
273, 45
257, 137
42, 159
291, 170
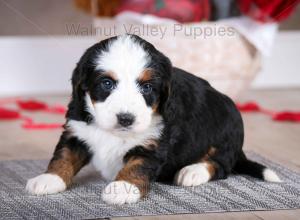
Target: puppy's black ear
79, 86
170, 110
164, 95
84, 67
166, 74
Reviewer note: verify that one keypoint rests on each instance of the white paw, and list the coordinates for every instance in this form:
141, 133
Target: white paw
192, 175
121, 192
45, 184
271, 176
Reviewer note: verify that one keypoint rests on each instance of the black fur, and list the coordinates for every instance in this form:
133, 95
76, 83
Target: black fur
195, 115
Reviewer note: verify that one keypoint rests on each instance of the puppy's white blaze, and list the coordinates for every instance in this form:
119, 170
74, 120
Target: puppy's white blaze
124, 57
127, 60
121, 192
45, 184
270, 175
109, 148
193, 175
123, 99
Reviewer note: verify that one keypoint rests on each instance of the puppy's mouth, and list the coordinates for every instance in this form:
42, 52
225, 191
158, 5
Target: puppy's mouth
123, 129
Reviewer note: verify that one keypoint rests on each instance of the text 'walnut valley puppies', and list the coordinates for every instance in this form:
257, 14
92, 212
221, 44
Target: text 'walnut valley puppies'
139, 119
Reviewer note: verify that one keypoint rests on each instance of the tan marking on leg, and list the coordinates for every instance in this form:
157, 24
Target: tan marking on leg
66, 166
210, 168
211, 151
131, 173
151, 144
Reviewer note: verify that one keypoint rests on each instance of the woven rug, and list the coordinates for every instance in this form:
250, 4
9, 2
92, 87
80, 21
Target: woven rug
83, 199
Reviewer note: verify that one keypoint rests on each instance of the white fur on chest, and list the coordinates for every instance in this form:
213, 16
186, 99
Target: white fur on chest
109, 149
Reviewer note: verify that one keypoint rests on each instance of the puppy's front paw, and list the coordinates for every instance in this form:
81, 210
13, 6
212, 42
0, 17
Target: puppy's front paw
121, 192
192, 175
45, 184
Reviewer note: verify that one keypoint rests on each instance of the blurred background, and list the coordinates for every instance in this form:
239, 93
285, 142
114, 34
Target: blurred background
41, 40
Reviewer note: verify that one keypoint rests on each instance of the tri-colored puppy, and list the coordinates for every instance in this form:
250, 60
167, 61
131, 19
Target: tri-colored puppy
139, 119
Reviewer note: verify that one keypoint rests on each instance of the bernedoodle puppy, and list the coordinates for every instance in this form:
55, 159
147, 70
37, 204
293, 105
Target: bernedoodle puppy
139, 119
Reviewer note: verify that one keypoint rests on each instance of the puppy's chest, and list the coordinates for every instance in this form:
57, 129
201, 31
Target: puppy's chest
109, 150
108, 154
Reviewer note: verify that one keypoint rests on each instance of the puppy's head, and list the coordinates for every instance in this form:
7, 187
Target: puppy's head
124, 83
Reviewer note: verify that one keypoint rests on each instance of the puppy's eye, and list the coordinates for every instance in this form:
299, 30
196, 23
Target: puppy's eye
146, 88
107, 84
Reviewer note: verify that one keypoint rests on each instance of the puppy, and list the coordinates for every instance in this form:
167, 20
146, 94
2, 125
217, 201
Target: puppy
139, 119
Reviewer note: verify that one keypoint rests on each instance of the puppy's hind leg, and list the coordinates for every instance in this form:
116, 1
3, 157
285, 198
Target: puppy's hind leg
200, 172
195, 174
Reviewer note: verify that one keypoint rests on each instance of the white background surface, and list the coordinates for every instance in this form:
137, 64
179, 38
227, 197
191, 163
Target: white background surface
42, 65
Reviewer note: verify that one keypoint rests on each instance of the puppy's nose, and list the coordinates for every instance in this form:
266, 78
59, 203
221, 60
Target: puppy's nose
125, 119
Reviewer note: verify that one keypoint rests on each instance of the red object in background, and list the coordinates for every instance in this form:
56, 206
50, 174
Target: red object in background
30, 105
182, 11
33, 105
8, 114
248, 107
276, 116
57, 109
287, 116
30, 124
266, 10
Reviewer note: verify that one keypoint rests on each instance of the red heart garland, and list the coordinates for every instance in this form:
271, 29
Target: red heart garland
276, 116
29, 124
8, 114
248, 107
34, 105
30, 105
287, 116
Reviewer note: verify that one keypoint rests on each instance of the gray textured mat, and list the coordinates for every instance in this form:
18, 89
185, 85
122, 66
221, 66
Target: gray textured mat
83, 199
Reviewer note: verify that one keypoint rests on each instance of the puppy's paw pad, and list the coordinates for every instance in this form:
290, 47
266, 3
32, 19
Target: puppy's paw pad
121, 192
45, 184
192, 175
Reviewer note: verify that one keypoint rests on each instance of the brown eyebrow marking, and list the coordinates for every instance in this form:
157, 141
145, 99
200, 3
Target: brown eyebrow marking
146, 75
